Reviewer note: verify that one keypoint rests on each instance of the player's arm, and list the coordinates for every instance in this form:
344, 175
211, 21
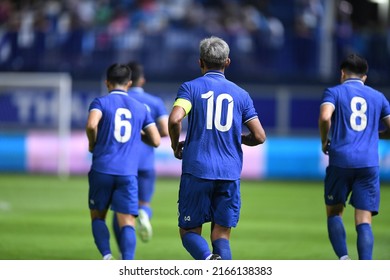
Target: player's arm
151, 136
92, 128
324, 123
180, 109
385, 134
257, 134
174, 129
162, 124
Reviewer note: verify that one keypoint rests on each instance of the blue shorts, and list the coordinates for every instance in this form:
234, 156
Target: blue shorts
146, 184
119, 192
202, 201
361, 183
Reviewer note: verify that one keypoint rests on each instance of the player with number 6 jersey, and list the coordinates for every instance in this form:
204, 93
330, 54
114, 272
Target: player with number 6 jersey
209, 190
350, 115
114, 129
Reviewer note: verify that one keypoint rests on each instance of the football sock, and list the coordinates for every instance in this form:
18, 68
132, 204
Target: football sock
222, 247
337, 235
101, 236
148, 210
128, 242
196, 245
116, 229
365, 241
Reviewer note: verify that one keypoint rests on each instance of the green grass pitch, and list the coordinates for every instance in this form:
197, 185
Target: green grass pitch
46, 218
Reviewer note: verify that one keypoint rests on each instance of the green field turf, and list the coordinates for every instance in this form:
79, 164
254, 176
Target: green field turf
45, 218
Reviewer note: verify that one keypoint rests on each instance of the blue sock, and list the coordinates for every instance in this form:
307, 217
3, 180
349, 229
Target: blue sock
101, 236
196, 245
365, 241
337, 235
222, 247
115, 227
128, 242
148, 210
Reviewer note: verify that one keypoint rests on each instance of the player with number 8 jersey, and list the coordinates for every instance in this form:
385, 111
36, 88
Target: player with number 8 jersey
349, 119
354, 132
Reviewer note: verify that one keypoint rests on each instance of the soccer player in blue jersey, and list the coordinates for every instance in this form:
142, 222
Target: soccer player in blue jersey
146, 168
349, 119
211, 154
114, 129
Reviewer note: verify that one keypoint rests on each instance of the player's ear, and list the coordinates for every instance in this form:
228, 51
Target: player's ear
201, 63
129, 83
227, 62
342, 76
142, 80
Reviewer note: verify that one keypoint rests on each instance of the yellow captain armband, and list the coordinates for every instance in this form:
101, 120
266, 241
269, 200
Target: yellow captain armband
184, 103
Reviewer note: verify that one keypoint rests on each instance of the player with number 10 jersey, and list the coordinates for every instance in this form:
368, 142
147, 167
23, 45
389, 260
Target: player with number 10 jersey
211, 154
219, 108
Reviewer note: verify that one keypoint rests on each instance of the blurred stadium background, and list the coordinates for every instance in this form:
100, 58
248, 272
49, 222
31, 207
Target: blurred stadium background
53, 55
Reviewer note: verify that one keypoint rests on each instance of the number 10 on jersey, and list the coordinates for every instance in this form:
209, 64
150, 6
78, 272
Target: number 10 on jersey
217, 116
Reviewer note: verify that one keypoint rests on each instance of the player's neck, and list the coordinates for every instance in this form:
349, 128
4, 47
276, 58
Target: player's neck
205, 70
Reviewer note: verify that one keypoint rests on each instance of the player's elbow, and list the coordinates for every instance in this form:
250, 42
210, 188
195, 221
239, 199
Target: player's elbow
325, 115
254, 139
162, 125
323, 122
156, 143
164, 132
155, 139
323, 119
260, 138
90, 128
173, 121
176, 117
151, 136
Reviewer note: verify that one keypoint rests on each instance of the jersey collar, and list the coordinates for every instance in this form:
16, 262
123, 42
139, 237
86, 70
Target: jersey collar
351, 80
118, 91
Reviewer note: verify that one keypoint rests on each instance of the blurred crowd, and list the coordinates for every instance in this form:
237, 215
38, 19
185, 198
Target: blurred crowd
269, 40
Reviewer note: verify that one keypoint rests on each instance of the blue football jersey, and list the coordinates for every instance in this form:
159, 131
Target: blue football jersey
157, 110
212, 148
119, 133
355, 124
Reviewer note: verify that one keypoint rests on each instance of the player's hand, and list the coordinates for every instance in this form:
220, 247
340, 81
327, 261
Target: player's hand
179, 150
91, 147
325, 147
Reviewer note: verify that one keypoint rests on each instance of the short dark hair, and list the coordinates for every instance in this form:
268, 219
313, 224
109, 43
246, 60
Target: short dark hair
355, 64
137, 71
119, 74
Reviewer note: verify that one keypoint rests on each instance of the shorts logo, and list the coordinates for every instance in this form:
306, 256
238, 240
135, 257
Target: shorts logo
187, 218
330, 197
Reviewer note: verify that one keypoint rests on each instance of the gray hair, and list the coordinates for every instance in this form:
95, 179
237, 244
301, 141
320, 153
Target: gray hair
214, 52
